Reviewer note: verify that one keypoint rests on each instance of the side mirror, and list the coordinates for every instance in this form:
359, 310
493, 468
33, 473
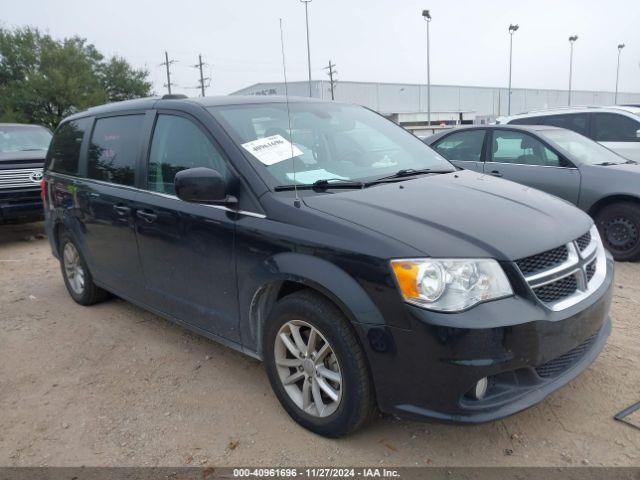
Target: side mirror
202, 185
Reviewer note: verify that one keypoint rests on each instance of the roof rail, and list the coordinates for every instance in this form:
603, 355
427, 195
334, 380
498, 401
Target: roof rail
174, 96
565, 107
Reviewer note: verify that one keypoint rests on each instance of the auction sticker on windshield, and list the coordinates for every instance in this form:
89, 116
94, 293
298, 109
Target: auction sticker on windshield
273, 149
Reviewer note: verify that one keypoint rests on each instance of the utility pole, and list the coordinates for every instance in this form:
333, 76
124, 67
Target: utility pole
512, 30
572, 39
331, 73
615, 99
426, 15
202, 85
167, 63
306, 16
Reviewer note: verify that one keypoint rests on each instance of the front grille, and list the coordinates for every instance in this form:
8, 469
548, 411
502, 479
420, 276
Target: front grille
543, 261
584, 241
562, 363
565, 275
554, 291
591, 270
19, 178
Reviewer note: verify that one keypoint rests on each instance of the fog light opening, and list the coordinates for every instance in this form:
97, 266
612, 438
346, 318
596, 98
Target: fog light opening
479, 391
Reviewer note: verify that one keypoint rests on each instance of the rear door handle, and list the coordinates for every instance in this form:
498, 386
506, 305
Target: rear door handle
495, 173
121, 210
147, 215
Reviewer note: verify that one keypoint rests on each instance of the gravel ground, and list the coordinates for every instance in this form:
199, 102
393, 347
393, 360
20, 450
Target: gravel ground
113, 385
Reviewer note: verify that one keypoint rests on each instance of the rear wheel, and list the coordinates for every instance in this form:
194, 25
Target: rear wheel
77, 277
619, 227
316, 366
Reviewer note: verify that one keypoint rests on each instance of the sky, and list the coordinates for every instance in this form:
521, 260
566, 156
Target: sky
373, 40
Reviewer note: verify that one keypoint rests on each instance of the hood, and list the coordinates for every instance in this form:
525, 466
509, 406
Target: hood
31, 156
461, 214
622, 168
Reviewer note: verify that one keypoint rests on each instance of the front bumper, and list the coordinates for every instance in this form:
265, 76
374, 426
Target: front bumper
21, 204
526, 352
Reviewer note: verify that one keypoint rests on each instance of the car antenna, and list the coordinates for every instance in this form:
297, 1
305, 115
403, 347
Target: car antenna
286, 97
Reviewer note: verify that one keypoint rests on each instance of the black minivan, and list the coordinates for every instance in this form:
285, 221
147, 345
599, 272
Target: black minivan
364, 269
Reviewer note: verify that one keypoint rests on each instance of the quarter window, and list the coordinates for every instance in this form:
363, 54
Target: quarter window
464, 146
612, 127
114, 149
65, 148
179, 144
528, 121
522, 148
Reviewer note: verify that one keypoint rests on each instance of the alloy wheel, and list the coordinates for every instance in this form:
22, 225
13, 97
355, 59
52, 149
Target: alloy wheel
73, 268
308, 368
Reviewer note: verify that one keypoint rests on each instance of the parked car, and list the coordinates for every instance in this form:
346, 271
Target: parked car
22, 152
359, 265
617, 127
560, 162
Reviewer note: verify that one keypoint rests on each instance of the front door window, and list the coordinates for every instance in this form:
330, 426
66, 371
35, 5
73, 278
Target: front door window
523, 149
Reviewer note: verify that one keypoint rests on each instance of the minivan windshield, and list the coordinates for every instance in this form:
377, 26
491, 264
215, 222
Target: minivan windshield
23, 138
327, 141
584, 149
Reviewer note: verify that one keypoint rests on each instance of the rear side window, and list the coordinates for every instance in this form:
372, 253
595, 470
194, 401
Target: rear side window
464, 146
611, 127
578, 122
179, 144
114, 149
65, 148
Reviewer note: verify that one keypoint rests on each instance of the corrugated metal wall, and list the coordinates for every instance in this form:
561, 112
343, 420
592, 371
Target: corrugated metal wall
390, 98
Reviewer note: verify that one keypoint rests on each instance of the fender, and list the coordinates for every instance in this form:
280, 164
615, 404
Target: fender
258, 290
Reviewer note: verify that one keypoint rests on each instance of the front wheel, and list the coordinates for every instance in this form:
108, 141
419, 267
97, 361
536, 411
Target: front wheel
619, 227
316, 367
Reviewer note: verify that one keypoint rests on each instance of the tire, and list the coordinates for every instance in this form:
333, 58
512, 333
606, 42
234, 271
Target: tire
356, 404
82, 290
619, 227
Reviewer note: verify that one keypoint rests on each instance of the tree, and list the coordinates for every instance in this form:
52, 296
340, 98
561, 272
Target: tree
42, 80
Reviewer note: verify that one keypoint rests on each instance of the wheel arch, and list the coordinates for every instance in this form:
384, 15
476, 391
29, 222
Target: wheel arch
597, 207
296, 272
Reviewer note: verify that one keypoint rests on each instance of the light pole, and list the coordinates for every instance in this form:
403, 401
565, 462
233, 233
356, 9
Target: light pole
615, 99
306, 16
512, 30
427, 17
572, 40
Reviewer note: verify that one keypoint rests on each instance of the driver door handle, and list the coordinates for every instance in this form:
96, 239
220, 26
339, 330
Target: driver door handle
495, 173
121, 209
147, 215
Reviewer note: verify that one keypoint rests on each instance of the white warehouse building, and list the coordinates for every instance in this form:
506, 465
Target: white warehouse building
406, 103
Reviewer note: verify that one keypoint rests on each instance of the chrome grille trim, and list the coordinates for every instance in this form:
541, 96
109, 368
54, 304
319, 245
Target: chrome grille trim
577, 264
19, 178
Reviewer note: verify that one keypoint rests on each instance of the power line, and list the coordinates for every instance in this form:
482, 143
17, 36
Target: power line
167, 63
331, 72
201, 82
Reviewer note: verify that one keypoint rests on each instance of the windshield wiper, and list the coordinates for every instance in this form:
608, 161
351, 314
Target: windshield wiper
323, 184
406, 172
607, 164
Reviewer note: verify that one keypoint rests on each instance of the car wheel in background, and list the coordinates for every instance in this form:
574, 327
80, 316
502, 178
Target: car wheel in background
619, 226
77, 277
316, 367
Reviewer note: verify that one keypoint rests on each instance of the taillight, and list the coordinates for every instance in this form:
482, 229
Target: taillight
43, 186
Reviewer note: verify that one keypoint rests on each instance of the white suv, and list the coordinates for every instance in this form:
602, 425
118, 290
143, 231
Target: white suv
616, 127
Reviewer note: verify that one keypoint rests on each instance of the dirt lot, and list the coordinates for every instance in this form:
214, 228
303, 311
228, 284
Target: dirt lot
115, 385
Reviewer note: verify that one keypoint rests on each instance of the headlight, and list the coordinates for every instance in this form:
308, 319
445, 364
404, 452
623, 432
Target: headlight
450, 285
